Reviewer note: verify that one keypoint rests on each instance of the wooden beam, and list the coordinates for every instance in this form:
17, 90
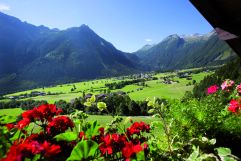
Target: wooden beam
224, 15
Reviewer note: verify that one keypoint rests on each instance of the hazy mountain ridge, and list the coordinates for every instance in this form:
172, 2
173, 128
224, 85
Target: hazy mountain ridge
35, 56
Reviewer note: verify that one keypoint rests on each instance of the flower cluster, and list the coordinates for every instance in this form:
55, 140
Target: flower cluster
227, 85
235, 103
45, 145
125, 143
42, 143
238, 88
31, 146
137, 128
59, 125
234, 106
42, 113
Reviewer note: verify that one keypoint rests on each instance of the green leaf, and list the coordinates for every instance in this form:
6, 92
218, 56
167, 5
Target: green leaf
156, 124
223, 151
212, 141
36, 157
88, 104
101, 106
151, 111
204, 139
92, 130
207, 157
156, 116
150, 104
84, 150
127, 120
77, 121
16, 135
92, 99
226, 158
140, 156
162, 105
194, 154
67, 136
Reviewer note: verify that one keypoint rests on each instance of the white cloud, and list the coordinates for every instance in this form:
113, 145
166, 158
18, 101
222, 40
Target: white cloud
4, 7
148, 40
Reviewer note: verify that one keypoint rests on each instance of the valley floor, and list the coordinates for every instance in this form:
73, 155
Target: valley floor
175, 88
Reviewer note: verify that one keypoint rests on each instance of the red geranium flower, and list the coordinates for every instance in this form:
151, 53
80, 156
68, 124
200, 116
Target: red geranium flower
13, 154
106, 146
115, 137
50, 150
144, 127
131, 149
48, 111
101, 130
59, 125
82, 135
36, 137
22, 150
10, 126
42, 112
31, 148
137, 127
234, 106
23, 123
212, 89
29, 114
27, 148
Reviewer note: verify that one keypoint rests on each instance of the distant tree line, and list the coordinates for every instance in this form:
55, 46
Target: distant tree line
119, 85
29, 95
196, 71
116, 105
25, 105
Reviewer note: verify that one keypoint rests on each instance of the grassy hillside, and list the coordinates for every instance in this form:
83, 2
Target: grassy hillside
231, 71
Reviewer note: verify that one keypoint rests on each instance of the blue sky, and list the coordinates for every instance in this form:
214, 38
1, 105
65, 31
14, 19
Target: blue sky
128, 24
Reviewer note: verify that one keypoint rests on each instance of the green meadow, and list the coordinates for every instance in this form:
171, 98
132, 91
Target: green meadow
153, 88
103, 120
11, 112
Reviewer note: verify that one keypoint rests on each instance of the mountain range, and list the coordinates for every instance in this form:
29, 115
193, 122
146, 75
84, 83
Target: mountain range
178, 52
36, 56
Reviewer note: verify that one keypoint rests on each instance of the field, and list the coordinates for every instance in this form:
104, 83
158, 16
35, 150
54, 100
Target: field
102, 120
153, 88
175, 90
11, 112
